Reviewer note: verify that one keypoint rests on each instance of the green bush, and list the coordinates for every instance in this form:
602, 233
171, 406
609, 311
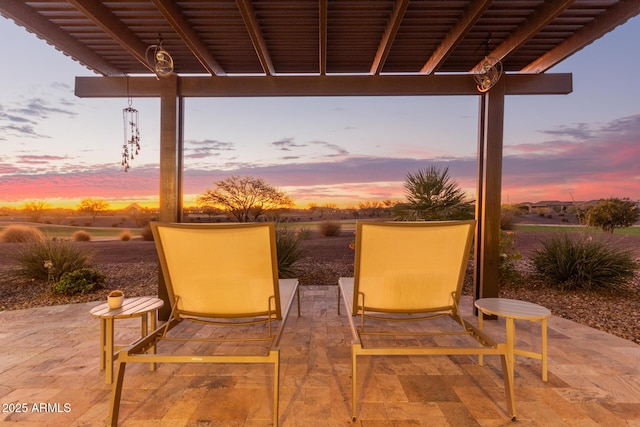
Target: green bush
81, 236
49, 259
79, 281
288, 250
583, 263
20, 234
508, 257
330, 228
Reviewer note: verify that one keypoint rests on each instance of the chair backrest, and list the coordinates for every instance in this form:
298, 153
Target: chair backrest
219, 270
409, 267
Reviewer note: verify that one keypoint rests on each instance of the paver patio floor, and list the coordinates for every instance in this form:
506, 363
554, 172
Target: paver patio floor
49, 366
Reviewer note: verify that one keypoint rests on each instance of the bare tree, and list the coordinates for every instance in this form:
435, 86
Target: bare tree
246, 198
93, 206
34, 209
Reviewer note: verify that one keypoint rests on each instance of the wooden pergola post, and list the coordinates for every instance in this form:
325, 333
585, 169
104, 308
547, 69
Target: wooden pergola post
488, 201
171, 166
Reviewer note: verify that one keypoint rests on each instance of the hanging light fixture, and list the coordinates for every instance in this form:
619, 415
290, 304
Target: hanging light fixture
159, 59
131, 145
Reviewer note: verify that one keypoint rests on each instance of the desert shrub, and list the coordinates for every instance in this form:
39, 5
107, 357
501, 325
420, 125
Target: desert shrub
20, 234
79, 281
304, 233
81, 236
125, 236
146, 233
330, 228
508, 257
49, 259
583, 263
288, 250
507, 221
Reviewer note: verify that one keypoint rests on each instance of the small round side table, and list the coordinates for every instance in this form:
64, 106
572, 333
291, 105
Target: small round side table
511, 310
143, 307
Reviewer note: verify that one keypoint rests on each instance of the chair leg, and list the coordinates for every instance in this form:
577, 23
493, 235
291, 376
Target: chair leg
354, 384
116, 393
276, 388
507, 375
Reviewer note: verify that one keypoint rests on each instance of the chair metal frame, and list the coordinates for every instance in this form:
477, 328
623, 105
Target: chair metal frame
377, 301
275, 307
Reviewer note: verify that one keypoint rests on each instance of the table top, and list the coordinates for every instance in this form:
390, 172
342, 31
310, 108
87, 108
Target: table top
131, 307
512, 308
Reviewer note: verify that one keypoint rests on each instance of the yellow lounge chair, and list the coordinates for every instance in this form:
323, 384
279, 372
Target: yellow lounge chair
412, 271
224, 274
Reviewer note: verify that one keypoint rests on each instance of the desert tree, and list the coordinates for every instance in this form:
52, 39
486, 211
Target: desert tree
432, 194
210, 211
140, 215
612, 213
246, 198
34, 209
371, 208
93, 206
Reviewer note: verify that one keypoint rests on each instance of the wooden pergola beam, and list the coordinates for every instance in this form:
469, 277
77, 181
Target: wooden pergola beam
101, 16
389, 36
323, 35
253, 28
455, 36
377, 85
545, 14
181, 26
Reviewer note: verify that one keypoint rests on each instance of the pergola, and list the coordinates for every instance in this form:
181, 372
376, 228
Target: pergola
268, 48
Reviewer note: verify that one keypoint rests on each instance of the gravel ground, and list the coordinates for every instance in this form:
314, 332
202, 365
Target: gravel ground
132, 266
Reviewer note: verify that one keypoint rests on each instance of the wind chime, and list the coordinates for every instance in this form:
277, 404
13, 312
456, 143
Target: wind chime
131, 146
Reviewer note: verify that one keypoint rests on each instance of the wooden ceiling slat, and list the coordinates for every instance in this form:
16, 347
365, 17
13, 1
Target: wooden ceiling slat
326, 37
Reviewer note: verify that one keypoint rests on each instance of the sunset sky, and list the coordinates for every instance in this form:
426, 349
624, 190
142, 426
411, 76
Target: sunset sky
60, 149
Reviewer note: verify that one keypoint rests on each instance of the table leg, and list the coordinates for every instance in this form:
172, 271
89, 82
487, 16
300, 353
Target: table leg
109, 350
144, 323
510, 338
154, 316
544, 350
103, 343
480, 326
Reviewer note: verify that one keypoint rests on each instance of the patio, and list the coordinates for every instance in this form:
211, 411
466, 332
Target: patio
50, 356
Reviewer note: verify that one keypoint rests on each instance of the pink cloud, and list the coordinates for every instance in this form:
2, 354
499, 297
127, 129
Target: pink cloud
604, 164
104, 182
